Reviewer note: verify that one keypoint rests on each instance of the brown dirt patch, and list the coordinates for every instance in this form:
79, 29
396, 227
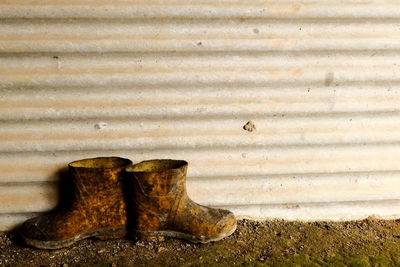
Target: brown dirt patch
369, 242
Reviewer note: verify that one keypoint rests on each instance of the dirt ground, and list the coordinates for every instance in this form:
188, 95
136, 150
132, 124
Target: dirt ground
369, 242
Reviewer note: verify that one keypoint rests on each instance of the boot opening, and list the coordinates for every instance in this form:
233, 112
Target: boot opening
157, 165
101, 163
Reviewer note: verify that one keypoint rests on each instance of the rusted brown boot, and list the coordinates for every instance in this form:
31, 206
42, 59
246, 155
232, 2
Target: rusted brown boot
163, 207
96, 209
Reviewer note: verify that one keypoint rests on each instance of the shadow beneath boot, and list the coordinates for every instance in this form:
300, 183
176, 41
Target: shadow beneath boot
64, 194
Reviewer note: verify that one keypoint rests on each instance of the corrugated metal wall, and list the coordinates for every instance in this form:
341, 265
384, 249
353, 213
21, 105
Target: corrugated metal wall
180, 79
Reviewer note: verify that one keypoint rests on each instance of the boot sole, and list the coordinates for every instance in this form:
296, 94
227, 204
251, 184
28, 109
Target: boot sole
160, 236
103, 234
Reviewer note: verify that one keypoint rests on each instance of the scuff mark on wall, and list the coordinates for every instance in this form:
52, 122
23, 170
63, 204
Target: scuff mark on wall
329, 76
101, 125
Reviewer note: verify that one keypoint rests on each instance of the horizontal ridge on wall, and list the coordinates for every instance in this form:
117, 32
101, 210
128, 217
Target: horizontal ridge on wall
198, 35
221, 102
42, 166
201, 9
254, 190
281, 132
346, 210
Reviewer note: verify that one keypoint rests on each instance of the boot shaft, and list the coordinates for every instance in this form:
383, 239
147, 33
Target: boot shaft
158, 188
97, 180
159, 178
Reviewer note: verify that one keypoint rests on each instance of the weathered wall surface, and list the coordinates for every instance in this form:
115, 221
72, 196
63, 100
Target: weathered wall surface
179, 79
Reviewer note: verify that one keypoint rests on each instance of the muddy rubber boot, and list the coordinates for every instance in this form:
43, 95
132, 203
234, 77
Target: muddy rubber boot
163, 207
97, 207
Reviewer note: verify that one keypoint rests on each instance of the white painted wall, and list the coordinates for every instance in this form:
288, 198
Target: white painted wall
179, 79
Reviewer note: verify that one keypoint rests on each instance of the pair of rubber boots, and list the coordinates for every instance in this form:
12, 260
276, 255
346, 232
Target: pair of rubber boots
154, 206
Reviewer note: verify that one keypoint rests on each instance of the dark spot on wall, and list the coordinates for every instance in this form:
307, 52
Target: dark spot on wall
249, 126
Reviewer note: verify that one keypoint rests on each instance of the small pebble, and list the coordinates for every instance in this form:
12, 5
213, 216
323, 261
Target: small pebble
140, 244
161, 249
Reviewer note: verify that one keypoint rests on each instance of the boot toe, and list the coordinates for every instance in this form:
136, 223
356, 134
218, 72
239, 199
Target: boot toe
221, 224
227, 223
35, 228
217, 222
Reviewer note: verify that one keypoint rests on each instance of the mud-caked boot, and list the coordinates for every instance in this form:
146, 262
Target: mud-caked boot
97, 207
163, 207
